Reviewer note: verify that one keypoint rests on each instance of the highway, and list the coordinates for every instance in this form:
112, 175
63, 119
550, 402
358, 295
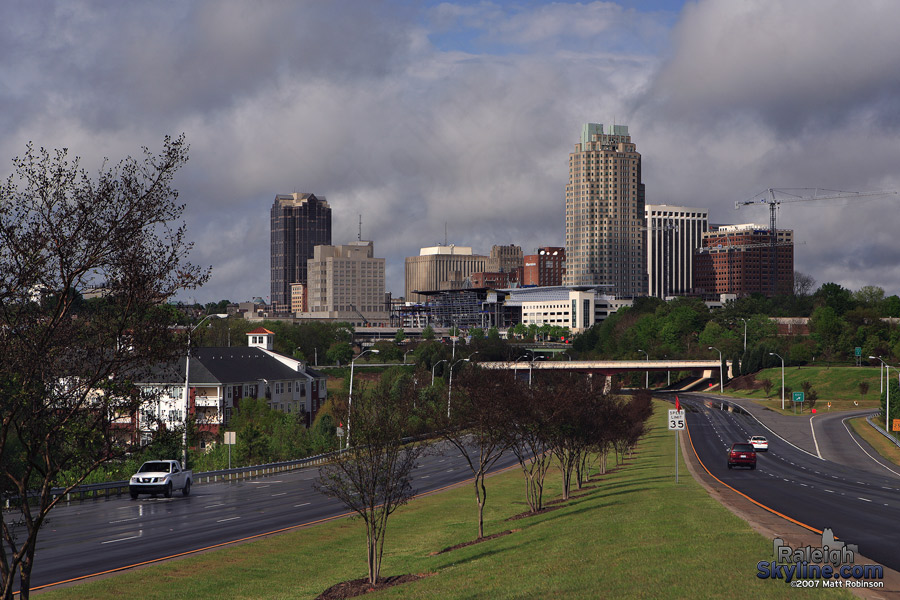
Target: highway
87, 538
860, 505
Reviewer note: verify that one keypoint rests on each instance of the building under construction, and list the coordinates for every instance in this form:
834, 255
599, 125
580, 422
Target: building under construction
737, 259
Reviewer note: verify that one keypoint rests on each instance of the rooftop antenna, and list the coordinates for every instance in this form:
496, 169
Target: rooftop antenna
445, 233
359, 235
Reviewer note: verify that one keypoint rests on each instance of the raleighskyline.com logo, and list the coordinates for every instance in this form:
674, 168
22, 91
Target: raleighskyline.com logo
829, 565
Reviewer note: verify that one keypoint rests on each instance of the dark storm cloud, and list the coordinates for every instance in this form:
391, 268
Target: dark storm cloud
422, 116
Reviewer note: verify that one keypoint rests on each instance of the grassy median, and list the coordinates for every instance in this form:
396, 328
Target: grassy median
632, 533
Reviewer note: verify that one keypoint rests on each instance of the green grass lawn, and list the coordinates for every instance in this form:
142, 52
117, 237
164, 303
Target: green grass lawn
837, 385
633, 534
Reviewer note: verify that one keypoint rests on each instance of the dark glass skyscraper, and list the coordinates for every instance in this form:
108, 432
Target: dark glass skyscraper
300, 222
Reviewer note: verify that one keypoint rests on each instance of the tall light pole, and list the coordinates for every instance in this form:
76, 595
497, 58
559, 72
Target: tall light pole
782, 376
405, 353
350, 395
721, 377
887, 398
516, 366
433, 367
880, 373
646, 379
450, 384
745, 335
187, 389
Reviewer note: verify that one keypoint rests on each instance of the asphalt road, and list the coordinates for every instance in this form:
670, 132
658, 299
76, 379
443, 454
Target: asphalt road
87, 538
860, 505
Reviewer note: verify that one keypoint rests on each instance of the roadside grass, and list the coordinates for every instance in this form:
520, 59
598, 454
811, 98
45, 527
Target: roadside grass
837, 385
883, 446
632, 533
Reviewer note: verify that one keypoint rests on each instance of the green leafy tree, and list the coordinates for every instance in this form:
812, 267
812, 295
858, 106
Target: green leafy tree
340, 353
68, 367
428, 333
400, 336
477, 333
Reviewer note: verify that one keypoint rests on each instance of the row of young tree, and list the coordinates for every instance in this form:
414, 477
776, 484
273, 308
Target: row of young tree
560, 420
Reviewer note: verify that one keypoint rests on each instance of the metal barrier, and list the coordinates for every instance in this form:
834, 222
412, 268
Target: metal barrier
118, 488
879, 429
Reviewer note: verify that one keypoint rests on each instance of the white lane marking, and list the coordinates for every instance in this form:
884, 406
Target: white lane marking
813, 429
299, 505
830, 491
215, 505
120, 539
279, 494
425, 476
861, 498
124, 520
852, 437
228, 519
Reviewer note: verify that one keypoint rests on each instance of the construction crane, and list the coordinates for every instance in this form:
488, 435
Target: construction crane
362, 316
776, 196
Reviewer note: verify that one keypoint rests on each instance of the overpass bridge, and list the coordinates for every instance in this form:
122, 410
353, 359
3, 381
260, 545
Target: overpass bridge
702, 368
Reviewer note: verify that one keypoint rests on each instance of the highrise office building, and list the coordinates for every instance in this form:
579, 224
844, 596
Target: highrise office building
605, 213
300, 222
346, 283
673, 233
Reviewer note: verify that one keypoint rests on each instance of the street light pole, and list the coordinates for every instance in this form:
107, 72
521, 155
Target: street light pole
187, 389
350, 395
887, 399
405, 353
721, 375
450, 384
782, 376
745, 335
433, 367
646, 379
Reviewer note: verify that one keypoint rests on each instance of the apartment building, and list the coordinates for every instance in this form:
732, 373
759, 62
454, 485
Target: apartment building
605, 213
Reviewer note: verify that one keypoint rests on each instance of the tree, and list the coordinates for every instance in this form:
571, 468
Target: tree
67, 370
476, 426
803, 284
400, 336
339, 353
373, 478
428, 333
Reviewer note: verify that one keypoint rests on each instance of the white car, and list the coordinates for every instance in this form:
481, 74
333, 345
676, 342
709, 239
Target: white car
760, 443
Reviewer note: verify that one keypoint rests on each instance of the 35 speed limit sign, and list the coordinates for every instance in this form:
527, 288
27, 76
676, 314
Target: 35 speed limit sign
676, 419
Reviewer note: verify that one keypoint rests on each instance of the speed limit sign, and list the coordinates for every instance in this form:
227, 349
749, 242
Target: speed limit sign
676, 419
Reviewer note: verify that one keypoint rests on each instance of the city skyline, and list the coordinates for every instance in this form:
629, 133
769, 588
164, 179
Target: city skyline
425, 117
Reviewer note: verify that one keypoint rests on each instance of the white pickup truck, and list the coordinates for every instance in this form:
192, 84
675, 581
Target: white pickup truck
160, 477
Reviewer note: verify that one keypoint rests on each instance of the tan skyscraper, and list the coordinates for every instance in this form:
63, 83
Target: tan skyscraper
347, 283
605, 224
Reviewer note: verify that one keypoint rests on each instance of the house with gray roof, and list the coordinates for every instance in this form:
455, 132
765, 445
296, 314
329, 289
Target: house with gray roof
219, 378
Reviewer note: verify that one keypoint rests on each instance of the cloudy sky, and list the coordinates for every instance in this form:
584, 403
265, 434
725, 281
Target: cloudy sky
422, 115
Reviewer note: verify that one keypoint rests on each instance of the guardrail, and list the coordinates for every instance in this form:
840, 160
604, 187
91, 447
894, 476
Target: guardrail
118, 488
880, 430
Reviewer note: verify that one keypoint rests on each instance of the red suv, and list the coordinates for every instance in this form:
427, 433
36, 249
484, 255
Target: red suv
742, 453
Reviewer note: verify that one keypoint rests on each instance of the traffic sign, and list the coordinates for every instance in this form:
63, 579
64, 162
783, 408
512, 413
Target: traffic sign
798, 396
340, 431
896, 425
676, 420
858, 351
